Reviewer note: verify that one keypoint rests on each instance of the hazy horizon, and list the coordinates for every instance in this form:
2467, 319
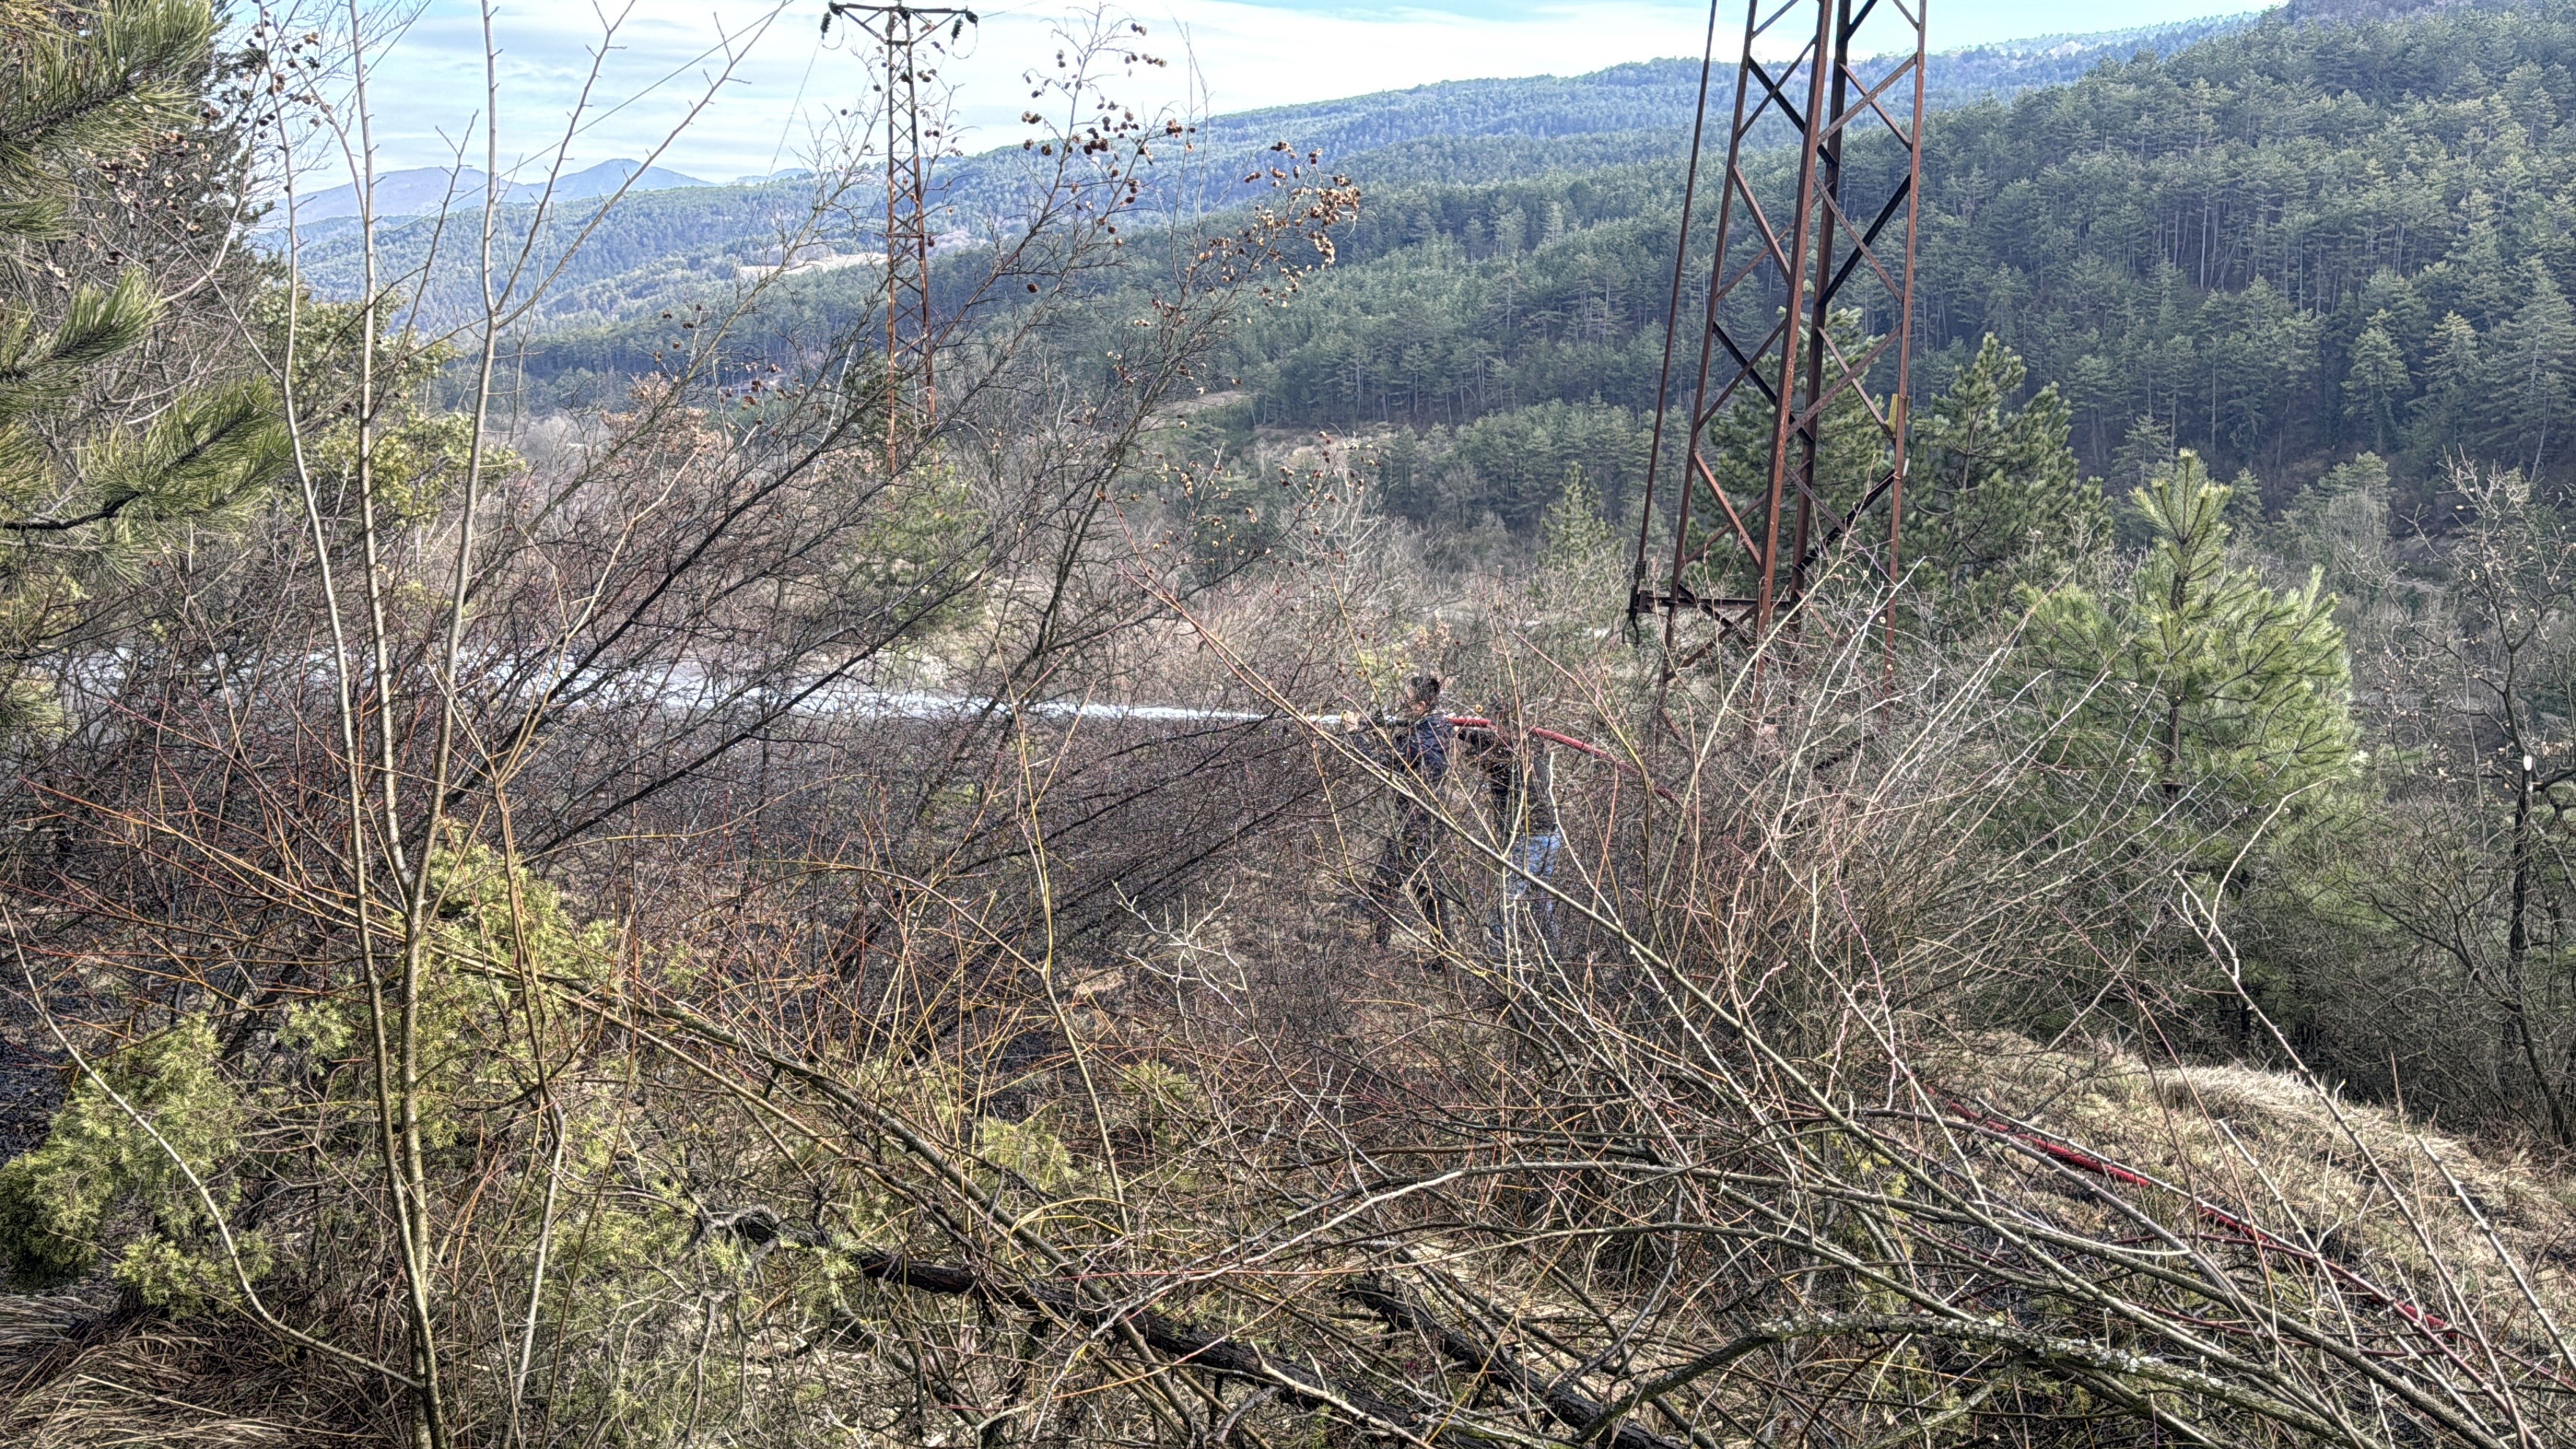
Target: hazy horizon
1221, 55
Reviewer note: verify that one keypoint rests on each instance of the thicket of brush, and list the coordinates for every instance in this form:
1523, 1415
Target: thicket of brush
513, 958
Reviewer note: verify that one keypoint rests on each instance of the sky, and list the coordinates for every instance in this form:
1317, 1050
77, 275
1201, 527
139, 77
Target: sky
745, 84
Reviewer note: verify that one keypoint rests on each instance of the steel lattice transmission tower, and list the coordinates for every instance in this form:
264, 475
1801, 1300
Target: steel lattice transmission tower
1849, 91
912, 394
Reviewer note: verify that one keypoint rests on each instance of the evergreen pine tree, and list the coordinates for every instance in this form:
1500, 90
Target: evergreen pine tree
2391, 302
2206, 705
2450, 387
1995, 498
2375, 381
2146, 453
2339, 525
2530, 375
1574, 539
79, 488
1582, 577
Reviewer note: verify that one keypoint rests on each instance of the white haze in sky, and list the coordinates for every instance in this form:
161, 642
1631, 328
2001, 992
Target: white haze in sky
426, 96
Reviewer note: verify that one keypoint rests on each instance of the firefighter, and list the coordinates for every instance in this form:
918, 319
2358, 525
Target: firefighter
1520, 787
1415, 744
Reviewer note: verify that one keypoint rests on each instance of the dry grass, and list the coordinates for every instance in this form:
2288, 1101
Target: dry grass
2471, 1235
70, 1381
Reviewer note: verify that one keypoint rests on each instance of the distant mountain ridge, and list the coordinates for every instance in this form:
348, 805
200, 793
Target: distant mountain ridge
421, 190
1656, 96
678, 242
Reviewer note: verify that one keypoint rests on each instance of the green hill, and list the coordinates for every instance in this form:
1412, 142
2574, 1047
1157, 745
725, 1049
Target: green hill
2282, 247
2288, 243
682, 244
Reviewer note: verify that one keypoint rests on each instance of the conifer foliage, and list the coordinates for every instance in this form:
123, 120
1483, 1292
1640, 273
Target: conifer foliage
1996, 498
2212, 705
81, 487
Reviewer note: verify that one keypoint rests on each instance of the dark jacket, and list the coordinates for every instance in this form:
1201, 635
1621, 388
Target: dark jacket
1518, 781
1420, 749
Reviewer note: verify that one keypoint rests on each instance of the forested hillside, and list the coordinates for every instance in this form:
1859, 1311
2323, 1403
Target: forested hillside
2291, 243
2281, 246
691, 245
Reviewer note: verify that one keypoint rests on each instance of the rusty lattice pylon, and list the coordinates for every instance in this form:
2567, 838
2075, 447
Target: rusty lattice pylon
912, 395
1844, 242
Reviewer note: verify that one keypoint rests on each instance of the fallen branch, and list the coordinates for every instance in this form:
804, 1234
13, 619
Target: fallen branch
1185, 1346
1568, 1405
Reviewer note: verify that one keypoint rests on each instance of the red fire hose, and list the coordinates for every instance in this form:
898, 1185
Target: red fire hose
1479, 722
2228, 1223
